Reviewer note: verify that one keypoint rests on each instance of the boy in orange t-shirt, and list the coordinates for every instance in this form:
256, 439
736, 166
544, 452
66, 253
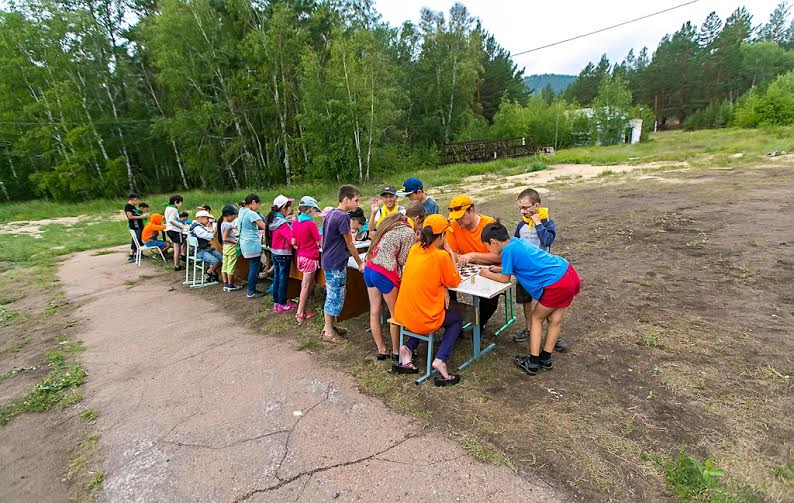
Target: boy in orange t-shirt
150, 230
465, 242
423, 302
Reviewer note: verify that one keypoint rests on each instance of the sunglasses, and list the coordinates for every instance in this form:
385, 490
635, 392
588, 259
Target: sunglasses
458, 208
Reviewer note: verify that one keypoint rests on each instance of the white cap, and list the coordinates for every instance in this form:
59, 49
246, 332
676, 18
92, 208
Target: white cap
281, 200
204, 213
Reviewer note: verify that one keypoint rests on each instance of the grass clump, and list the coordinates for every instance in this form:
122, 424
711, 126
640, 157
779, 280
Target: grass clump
689, 479
484, 453
89, 414
57, 388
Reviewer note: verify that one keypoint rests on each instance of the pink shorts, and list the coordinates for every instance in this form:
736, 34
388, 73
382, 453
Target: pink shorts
308, 264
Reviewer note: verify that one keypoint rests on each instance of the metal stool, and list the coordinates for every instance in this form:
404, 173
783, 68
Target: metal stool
429, 371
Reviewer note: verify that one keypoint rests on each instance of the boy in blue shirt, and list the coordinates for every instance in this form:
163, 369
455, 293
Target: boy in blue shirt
546, 277
414, 190
539, 230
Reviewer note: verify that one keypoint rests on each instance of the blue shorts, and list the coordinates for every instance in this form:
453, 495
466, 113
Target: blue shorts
374, 279
209, 255
335, 291
155, 243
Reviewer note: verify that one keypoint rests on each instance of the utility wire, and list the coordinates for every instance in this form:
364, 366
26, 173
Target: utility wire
624, 23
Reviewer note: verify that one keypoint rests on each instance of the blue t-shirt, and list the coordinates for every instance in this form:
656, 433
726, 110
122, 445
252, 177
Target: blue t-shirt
431, 206
249, 241
335, 227
534, 268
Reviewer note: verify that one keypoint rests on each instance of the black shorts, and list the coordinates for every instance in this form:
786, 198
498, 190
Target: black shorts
522, 297
176, 237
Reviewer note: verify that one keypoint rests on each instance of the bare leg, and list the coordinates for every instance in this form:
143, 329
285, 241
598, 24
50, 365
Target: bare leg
394, 330
528, 311
539, 314
177, 250
328, 330
405, 356
441, 367
225, 278
553, 331
307, 283
375, 299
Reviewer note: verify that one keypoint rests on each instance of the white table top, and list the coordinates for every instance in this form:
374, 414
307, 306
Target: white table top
482, 287
351, 262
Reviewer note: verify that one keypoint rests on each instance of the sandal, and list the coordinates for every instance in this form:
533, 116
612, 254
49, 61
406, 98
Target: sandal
383, 356
340, 330
406, 368
333, 338
440, 381
305, 316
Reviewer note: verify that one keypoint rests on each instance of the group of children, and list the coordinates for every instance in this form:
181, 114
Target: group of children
411, 264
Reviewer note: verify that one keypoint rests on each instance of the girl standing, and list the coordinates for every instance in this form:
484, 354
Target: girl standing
250, 222
384, 265
227, 235
278, 237
174, 228
306, 238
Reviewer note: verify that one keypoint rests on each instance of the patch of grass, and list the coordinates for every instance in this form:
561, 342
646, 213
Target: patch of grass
7, 316
484, 453
96, 481
650, 339
770, 372
308, 343
606, 173
89, 414
689, 479
12, 372
57, 388
702, 243
15, 346
99, 253
647, 282
785, 473
9, 298
78, 468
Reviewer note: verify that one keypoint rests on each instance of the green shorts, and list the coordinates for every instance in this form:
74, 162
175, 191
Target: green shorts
229, 258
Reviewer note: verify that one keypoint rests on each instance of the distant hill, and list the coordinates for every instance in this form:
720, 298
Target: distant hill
558, 82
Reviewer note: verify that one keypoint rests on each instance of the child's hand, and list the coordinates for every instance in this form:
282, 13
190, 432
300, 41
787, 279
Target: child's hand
495, 268
535, 218
374, 204
446, 298
466, 258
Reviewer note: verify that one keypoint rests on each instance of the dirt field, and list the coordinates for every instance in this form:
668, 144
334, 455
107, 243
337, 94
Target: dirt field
682, 336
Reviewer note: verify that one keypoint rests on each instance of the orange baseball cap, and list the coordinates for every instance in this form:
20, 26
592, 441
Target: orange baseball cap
437, 223
458, 207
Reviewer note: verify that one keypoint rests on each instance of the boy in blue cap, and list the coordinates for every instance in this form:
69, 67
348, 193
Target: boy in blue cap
414, 190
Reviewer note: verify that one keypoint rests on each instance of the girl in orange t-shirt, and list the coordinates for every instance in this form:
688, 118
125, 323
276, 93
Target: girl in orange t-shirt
423, 302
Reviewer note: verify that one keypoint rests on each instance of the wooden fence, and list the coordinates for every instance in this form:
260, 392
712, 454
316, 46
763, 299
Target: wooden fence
485, 150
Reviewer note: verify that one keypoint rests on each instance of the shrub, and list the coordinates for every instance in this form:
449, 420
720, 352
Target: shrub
775, 106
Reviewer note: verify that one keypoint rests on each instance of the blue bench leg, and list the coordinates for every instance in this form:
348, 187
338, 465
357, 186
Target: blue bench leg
429, 370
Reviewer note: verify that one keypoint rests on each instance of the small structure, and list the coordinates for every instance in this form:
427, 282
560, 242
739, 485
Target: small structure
485, 150
636, 130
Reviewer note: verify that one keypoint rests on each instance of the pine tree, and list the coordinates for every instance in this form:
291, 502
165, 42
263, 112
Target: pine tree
775, 30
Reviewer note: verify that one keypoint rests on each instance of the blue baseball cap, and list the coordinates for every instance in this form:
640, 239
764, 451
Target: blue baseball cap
410, 186
309, 202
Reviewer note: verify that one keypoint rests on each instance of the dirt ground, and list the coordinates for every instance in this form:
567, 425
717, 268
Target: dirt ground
682, 336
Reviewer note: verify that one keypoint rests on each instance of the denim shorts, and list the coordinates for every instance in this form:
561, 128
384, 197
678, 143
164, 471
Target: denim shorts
155, 243
335, 291
374, 279
209, 255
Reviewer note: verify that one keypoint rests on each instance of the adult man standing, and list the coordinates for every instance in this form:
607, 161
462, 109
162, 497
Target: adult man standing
414, 190
465, 242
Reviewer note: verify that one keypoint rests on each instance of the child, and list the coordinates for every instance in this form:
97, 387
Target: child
144, 209
249, 224
278, 237
150, 230
414, 189
183, 217
174, 227
337, 247
423, 304
385, 262
388, 196
134, 222
546, 277
306, 238
202, 231
359, 225
539, 230
416, 213
227, 234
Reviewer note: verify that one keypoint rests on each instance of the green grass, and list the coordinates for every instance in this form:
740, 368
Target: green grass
89, 414
484, 453
689, 479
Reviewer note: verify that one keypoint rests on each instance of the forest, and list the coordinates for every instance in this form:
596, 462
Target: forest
100, 97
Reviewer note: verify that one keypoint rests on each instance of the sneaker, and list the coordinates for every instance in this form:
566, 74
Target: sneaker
547, 364
131, 259
278, 308
233, 288
291, 306
560, 345
178, 268
522, 336
526, 365
257, 294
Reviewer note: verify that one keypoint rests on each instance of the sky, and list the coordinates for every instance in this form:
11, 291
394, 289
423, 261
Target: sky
520, 25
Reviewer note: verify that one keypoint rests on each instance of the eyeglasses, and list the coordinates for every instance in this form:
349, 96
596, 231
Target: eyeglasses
458, 208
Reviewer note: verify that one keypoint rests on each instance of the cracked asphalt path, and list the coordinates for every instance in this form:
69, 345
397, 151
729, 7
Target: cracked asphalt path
196, 407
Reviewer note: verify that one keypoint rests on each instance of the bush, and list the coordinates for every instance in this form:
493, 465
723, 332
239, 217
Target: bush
714, 116
773, 107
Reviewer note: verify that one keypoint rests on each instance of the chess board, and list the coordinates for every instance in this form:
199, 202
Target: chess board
467, 271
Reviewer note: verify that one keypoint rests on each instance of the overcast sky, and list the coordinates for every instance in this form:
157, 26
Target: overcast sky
519, 25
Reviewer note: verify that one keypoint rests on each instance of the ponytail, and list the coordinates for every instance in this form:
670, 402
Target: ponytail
269, 220
426, 237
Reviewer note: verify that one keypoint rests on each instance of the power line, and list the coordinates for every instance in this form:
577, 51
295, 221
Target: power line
624, 23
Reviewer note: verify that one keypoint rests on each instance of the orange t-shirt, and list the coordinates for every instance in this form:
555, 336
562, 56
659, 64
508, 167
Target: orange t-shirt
464, 241
152, 227
420, 303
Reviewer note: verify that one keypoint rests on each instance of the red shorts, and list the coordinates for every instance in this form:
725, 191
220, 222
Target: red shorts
561, 293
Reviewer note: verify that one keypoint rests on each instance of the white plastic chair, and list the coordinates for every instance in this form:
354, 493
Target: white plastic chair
140, 248
198, 266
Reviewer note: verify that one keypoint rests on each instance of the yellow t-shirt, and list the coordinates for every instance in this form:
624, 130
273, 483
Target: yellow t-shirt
420, 303
464, 241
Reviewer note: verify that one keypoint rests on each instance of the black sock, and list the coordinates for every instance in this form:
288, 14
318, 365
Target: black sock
534, 359
545, 356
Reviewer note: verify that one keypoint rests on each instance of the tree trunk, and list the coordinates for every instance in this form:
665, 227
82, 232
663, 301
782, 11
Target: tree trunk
283, 123
356, 128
